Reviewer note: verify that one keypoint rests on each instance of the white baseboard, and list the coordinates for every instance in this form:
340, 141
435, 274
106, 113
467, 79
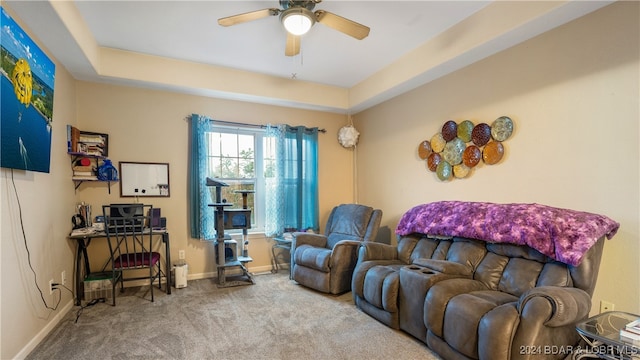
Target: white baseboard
27, 349
254, 270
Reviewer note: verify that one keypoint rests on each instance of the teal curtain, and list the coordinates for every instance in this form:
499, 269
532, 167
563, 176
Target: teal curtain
201, 219
292, 184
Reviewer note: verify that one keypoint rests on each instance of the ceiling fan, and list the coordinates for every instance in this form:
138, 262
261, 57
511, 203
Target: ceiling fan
297, 18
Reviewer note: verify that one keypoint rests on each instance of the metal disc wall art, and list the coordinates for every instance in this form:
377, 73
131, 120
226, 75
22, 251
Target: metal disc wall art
433, 160
471, 156
481, 134
464, 130
424, 150
459, 147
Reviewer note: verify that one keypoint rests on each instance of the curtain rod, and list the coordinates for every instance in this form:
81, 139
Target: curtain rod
232, 123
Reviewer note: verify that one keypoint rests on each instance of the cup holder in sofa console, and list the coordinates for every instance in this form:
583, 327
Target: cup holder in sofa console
415, 281
420, 269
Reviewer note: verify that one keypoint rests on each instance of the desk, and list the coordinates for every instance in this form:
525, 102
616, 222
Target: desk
602, 335
82, 258
281, 243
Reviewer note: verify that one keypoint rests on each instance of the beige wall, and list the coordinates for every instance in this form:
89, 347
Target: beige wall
46, 202
573, 95
146, 125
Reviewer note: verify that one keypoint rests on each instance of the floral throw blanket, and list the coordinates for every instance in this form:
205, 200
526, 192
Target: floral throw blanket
563, 235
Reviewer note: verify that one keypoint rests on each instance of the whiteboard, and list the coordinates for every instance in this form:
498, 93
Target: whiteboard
144, 179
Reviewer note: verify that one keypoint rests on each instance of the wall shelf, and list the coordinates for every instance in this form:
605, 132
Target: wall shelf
77, 181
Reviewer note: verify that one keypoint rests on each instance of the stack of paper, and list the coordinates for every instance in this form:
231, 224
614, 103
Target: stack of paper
631, 333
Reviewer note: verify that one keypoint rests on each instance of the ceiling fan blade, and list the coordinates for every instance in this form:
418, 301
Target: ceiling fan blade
343, 25
250, 16
293, 45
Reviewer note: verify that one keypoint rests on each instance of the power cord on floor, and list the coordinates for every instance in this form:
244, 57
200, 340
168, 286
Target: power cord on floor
89, 304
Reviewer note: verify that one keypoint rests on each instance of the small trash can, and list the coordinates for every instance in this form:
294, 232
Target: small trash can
180, 272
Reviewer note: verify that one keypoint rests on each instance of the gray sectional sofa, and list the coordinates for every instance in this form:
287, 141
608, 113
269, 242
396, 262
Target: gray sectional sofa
479, 298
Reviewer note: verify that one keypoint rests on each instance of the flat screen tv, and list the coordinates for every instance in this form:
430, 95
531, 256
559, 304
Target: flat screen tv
26, 100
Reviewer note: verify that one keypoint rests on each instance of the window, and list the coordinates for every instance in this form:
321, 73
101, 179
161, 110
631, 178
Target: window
235, 156
281, 160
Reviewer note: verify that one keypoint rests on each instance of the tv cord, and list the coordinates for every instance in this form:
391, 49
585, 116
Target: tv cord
26, 246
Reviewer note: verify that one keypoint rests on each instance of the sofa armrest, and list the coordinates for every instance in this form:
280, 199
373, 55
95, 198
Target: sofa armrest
568, 304
344, 255
376, 251
315, 240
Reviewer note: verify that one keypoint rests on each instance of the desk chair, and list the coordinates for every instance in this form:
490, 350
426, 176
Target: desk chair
130, 242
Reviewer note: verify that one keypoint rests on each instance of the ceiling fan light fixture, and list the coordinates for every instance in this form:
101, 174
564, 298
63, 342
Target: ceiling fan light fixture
298, 20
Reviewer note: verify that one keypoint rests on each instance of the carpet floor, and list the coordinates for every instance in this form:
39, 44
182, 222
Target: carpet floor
274, 319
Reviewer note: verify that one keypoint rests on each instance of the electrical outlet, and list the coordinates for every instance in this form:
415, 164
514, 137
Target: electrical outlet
606, 306
63, 277
181, 254
50, 286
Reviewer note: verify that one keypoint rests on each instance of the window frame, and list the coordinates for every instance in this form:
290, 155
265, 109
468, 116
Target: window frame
259, 208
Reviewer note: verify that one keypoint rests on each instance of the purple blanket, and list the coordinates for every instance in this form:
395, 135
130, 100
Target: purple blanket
563, 235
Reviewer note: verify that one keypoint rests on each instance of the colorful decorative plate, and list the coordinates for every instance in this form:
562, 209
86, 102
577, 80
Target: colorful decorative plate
433, 161
453, 151
493, 152
464, 130
471, 156
449, 130
501, 128
437, 143
444, 171
481, 134
424, 150
461, 171
459, 147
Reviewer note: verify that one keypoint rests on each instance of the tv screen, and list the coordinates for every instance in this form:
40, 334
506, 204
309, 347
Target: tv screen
26, 100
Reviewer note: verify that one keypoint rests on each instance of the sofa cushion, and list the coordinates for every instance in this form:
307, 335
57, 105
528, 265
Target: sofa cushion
555, 274
415, 246
381, 285
313, 257
342, 225
438, 297
490, 270
464, 315
431, 249
468, 252
516, 269
519, 276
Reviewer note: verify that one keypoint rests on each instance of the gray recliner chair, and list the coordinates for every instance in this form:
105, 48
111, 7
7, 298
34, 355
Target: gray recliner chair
326, 262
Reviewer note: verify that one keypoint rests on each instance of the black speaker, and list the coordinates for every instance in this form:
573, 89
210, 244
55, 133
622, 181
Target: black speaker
163, 222
155, 217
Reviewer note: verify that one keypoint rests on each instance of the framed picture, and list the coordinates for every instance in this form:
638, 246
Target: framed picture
144, 179
26, 100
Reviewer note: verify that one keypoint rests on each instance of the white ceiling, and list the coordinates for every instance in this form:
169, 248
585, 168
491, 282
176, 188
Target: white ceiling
188, 31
